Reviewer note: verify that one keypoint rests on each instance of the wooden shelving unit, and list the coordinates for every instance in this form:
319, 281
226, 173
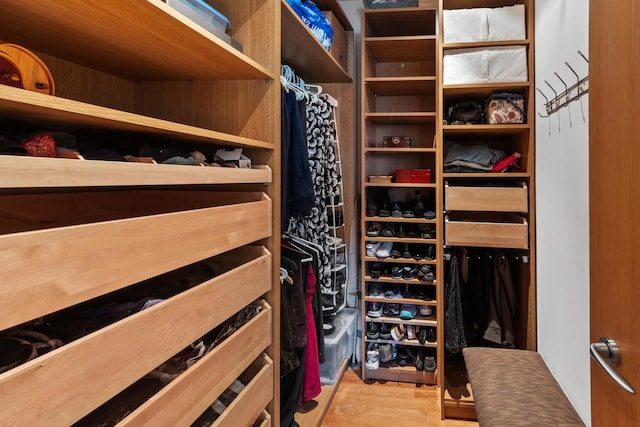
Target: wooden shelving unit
399, 89
490, 210
79, 232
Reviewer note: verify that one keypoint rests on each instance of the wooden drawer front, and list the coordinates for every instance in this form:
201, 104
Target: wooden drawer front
491, 199
47, 270
250, 404
201, 384
264, 420
60, 387
487, 234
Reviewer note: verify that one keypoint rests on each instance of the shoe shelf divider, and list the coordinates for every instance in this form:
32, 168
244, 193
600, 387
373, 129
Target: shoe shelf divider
82, 229
399, 91
499, 218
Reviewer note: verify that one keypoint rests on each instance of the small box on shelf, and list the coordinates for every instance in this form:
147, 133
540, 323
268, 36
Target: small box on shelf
396, 142
413, 175
338, 47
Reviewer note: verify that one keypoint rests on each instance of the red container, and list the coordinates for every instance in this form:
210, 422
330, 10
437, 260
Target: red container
413, 175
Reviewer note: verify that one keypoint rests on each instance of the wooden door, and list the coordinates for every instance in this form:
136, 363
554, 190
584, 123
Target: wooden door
614, 120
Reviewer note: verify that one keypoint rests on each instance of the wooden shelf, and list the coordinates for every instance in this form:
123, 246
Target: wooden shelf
401, 185
316, 65
481, 91
387, 279
402, 86
466, 4
401, 48
488, 44
505, 175
419, 320
410, 343
490, 129
413, 118
64, 114
40, 172
137, 40
397, 21
402, 220
415, 301
409, 240
402, 374
376, 150
336, 9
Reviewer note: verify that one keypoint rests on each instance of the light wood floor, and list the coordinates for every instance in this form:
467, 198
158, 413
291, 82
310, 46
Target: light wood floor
357, 404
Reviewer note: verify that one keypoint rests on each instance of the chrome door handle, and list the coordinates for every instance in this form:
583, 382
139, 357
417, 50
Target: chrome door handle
607, 354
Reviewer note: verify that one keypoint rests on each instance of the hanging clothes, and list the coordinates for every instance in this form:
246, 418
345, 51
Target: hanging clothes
503, 302
297, 194
321, 140
453, 319
312, 387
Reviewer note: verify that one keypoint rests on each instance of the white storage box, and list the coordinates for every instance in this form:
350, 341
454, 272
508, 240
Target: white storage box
485, 65
484, 24
338, 346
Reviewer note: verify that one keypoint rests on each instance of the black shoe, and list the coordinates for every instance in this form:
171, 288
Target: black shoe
431, 335
422, 335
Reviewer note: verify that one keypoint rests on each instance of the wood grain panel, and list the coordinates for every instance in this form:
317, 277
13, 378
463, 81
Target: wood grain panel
487, 234
494, 199
249, 404
401, 49
38, 392
49, 270
187, 397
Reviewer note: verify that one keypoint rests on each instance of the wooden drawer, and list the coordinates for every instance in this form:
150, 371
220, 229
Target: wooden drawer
46, 270
264, 420
484, 198
252, 401
94, 368
513, 234
201, 384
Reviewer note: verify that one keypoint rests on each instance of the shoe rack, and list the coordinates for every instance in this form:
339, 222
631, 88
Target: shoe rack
489, 210
400, 225
76, 230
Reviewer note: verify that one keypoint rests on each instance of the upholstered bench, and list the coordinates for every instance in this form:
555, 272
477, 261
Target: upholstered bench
515, 388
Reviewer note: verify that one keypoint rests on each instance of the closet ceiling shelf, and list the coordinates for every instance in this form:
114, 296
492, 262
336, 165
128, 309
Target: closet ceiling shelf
316, 64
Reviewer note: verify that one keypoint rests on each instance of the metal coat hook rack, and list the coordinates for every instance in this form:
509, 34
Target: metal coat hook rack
569, 94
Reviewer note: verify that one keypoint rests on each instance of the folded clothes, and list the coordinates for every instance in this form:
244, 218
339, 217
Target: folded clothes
480, 157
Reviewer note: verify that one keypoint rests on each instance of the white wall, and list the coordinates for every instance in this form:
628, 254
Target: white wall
562, 200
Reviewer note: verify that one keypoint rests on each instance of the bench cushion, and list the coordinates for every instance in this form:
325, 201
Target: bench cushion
515, 388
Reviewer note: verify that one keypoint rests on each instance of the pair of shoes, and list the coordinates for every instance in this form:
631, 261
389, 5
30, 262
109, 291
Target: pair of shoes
429, 215
373, 357
375, 270
393, 292
396, 272
388, 231
425, 274
406, 355
373, 330
429, 364
375, 309
376, 289
418, 205
384, 250
372, 248
385, 331
391, 309
398, 332
426, 310
409, 272
385, 352
395, 252
373, 230
426, 334
408, 311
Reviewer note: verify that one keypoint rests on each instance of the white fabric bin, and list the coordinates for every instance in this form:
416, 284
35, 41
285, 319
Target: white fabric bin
485, 65
484, 24
465, 25
506, 23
